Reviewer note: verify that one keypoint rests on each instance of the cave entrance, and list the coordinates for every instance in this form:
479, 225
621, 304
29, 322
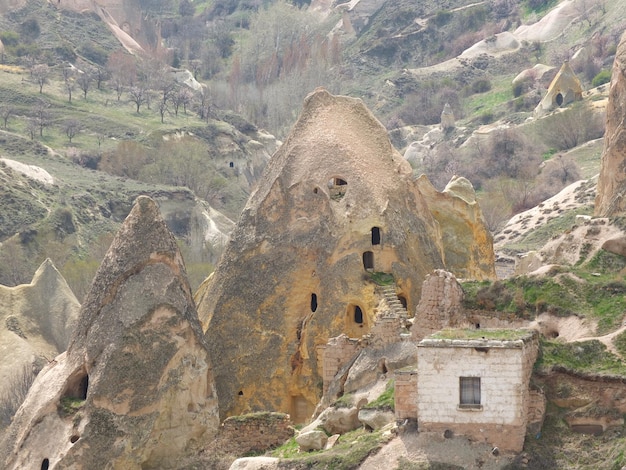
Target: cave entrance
313, 302
559, 99
358, 315
368, 260
375, 235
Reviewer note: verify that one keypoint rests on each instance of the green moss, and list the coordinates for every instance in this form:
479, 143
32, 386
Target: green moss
69, 406
386, 400
589, 357
382, 279
472, 334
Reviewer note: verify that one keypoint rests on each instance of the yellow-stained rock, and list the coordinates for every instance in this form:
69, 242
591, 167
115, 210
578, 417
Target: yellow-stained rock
337, 201
467, 242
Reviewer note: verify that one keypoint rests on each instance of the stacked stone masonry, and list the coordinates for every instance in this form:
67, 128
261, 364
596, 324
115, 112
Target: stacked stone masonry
504, 369
257, 432
406, 394
440, 305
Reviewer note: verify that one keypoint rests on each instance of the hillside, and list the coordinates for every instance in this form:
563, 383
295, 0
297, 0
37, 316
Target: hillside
185, 101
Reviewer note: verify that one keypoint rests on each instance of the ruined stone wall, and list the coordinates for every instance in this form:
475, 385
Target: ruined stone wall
386, 331
257, 432
405, 392
336, 354
536, 411
504, 369
440, 305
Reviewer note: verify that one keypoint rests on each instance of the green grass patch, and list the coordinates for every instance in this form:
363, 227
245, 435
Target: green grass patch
382, 279
590, 357
70, 405
472, 334
348, 453
386, 399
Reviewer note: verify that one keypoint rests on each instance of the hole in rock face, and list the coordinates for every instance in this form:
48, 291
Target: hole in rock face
368, 260
45, 464
448, 434
375, 235
358, 315
313, 302
240, 393
74, 438
559, 99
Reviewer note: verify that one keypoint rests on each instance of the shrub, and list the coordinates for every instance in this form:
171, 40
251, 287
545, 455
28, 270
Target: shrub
601, 78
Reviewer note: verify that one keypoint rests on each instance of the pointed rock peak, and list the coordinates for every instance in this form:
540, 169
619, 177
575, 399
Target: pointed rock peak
144, 250
462, 188
48, 274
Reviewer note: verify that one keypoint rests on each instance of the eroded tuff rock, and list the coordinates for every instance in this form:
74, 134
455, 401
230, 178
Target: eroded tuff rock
135, 388
467, 242
336, 203
610, 199
37, 321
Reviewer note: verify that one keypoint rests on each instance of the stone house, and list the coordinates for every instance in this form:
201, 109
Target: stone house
475, 383
564, 89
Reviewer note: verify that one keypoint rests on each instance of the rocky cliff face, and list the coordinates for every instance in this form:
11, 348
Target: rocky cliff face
337, 203
135, 388
37, 322
467, 242
610, 199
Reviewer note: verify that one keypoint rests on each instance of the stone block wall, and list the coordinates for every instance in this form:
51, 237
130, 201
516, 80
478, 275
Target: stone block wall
336, 354
440, 305
386, 331
504, 368
406, 393
256, 432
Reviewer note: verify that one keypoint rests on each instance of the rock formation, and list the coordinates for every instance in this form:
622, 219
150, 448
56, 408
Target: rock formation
612, 181
336, 205
467, 242
37, 322
564, 89
135, 387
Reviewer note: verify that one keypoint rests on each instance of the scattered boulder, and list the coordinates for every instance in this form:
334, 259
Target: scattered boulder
312, 440
336, 420
135, 387
376, 419
255, 463
615, 245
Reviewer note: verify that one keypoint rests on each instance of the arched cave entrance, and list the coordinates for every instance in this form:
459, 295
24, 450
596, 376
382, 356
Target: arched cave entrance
402, 300
313, 302
45, 464
231, 165
77, 386
337, 187
559, 99
368, 260
376, 236
358, 315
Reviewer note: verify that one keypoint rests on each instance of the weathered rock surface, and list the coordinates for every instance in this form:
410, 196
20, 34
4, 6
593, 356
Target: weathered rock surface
610, 199
135, 388
336, 202
467, 242
335, 420
376, 419
37, 322
311, 440
255, 463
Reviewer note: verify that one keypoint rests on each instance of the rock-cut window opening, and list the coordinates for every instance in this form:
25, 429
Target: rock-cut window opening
337, 188
231, 165
368, 260
313, 302
358, 315
77, 386
376, 236
45, 464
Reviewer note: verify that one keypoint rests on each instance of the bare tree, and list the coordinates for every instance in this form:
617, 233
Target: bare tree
6, 112
162, 109
42, 116
100, 74
69, 86
137, 95
14, 392
84, 82
71, 128
40, 73
31, 128
182, 97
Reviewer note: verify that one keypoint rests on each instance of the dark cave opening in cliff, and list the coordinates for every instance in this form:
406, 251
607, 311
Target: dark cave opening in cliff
368, 260
375, 235
77, 386
402, 300
313, 302
45, 464
358, 315
559, 99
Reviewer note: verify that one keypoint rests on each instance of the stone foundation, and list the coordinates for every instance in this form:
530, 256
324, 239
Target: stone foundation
506, 438
406, 393
256, 432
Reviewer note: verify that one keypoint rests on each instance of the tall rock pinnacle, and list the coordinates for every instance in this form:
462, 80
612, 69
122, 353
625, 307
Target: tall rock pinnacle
135, 388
